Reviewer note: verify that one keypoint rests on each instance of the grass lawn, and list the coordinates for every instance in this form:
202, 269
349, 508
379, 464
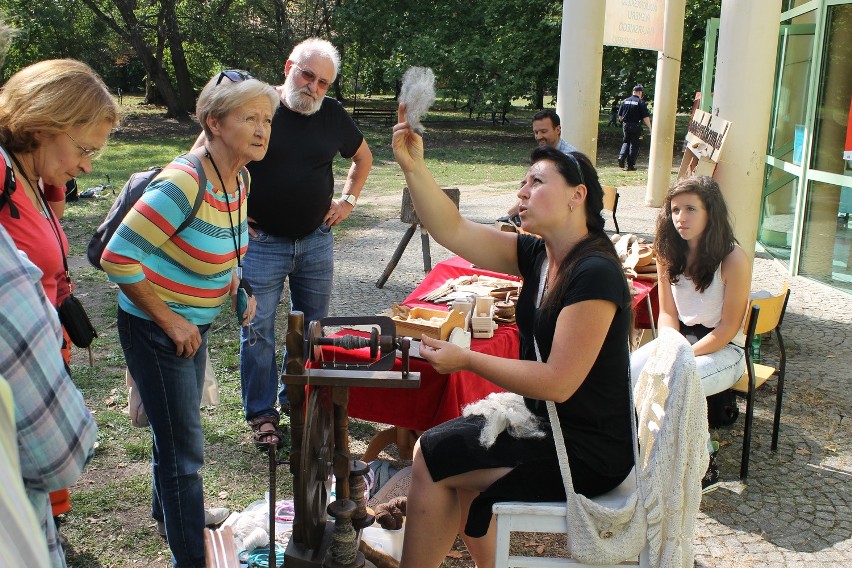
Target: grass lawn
110, 523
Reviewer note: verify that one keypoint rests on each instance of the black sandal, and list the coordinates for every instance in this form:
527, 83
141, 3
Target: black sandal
262, 437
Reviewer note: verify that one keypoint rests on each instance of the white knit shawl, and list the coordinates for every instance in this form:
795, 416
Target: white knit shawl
674, 456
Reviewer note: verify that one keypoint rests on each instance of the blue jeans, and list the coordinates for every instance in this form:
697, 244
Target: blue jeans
718, 371
270, 260
170, 387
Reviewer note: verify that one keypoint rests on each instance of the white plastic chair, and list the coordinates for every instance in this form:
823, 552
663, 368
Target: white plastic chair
513, 516
666, 411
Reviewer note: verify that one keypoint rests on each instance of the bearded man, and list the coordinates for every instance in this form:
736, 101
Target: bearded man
291, 212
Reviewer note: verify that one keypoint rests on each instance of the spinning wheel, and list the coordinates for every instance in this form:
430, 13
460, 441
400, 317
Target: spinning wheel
319, 429
312, 488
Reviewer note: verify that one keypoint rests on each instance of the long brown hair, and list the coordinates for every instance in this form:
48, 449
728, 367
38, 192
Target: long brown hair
715, 243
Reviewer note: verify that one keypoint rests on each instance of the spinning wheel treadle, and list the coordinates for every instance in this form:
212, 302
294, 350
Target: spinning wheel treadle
312, 490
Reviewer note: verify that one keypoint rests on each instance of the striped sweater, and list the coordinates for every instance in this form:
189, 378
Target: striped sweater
191, 271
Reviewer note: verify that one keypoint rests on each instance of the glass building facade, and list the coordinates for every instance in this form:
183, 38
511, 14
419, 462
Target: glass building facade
807, 192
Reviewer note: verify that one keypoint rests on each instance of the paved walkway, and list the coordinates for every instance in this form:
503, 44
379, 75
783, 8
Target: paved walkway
797, 507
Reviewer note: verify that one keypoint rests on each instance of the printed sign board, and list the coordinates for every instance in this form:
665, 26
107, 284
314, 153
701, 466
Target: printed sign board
634, 23
703, 145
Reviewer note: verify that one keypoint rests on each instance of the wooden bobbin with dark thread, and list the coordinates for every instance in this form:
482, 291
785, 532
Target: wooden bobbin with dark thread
362, 518
343, 552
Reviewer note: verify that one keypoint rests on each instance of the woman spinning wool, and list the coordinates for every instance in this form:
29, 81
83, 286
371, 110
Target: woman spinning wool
580, 328
704, 286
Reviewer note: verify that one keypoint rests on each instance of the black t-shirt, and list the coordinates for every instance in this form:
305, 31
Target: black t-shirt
292, 187
633, 110
595, 420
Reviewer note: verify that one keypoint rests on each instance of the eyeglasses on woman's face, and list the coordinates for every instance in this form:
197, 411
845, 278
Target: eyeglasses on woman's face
233, 75
84, 152
310, 77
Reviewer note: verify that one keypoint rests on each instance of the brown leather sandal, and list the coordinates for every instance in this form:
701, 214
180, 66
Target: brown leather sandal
263, 438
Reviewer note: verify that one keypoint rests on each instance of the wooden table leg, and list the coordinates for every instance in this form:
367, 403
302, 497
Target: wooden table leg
397, 254
427, 254
379, 442
404, 439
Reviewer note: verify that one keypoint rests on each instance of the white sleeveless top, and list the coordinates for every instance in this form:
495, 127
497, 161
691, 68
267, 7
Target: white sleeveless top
704, 308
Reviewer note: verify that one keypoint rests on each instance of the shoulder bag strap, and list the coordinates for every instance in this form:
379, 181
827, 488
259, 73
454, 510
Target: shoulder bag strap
558, 438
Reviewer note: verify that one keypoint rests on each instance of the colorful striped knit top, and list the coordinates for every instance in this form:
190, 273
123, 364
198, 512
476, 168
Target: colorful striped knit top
190, 271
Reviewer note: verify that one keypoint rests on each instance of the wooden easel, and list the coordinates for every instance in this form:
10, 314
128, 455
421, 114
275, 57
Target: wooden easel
408, 215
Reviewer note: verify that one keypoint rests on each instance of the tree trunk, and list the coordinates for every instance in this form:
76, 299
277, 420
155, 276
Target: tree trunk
131, 32
186, 94
538, 100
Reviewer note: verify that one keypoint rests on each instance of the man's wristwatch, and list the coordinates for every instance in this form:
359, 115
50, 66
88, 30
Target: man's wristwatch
349, 198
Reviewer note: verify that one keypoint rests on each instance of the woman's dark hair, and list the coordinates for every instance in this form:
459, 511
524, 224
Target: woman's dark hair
576, 169
716, 242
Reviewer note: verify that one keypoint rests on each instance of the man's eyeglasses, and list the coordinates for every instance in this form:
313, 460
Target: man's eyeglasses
310, 77
85, 152
234, 76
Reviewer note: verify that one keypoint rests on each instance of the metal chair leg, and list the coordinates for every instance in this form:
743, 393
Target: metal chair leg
748, 421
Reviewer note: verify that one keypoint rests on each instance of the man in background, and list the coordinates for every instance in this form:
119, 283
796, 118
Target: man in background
547, 130
632, 113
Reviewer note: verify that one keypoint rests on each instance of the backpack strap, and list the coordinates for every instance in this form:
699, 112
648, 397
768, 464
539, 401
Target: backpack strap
202, 189
9, 186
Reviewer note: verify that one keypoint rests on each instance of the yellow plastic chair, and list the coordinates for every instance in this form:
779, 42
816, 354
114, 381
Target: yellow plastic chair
764, 315
610, 202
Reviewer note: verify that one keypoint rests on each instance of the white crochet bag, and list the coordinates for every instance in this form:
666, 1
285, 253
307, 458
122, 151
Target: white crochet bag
598, 534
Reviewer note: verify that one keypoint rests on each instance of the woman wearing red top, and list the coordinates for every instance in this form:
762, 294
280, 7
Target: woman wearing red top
54, 118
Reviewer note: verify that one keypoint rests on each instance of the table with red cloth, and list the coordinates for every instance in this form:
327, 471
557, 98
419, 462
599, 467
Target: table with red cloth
441, 397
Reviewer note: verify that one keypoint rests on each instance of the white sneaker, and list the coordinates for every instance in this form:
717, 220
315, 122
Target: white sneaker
216, 515
212, 517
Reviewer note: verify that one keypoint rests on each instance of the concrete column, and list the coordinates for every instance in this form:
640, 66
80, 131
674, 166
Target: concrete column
665, 104
745, 73
580, 63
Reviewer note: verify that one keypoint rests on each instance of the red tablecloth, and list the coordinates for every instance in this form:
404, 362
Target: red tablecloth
645, 288
441, 397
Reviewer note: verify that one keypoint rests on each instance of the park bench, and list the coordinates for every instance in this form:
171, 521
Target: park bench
385, 116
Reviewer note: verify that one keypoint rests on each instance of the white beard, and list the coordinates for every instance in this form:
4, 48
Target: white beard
300, 100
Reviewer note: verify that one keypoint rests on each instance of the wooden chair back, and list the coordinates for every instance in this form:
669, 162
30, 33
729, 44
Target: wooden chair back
771, 311
610, 202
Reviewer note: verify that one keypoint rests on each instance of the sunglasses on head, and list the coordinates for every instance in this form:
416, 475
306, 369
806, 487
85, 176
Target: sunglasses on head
234, 76
577, 165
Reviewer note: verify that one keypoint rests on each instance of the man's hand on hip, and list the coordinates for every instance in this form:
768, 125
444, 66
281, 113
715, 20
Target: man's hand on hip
338, 212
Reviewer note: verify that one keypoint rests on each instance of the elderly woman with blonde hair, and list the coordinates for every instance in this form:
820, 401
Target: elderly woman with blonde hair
172, 285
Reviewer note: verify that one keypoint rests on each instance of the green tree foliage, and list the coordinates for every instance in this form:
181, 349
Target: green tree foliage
484, 54
58, 29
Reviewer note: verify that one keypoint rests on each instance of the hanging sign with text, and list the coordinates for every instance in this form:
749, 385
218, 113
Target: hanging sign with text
634, 23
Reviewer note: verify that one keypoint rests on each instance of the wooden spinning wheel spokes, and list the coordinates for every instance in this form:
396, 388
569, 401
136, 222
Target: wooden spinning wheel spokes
312, 489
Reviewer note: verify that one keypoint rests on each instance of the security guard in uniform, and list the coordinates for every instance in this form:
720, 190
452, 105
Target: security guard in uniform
632, 113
